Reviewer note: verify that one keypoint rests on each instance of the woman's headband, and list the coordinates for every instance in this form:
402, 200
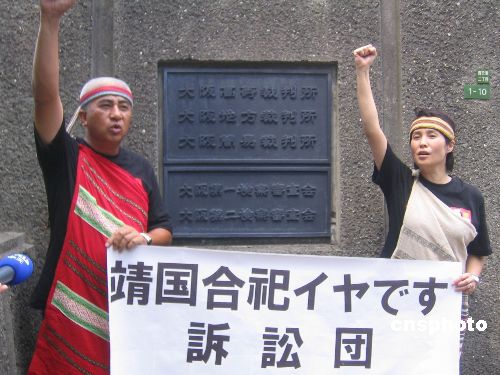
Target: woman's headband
101, 86
435, 123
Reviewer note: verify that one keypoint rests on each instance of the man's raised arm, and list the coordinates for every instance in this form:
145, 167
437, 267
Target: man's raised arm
45, 82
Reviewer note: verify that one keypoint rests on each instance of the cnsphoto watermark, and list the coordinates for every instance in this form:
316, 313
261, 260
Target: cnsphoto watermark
433, 326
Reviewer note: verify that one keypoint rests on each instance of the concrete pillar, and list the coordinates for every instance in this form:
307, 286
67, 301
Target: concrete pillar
102, 38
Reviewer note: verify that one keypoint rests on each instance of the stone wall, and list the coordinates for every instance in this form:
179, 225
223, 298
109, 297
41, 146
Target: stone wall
428, 51
16, 323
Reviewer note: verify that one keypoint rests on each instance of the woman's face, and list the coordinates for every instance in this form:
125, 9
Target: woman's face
429, 149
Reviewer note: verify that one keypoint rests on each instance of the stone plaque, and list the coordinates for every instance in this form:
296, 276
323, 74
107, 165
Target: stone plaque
247, 151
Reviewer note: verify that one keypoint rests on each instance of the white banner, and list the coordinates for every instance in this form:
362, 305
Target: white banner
182, 311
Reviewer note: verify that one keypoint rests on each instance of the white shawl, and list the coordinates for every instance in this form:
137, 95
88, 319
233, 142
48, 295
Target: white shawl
431, 230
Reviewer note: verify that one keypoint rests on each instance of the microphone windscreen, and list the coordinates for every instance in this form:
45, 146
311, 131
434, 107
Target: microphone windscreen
22, 265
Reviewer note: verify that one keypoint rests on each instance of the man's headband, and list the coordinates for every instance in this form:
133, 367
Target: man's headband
101, 86
97, 87
435, 123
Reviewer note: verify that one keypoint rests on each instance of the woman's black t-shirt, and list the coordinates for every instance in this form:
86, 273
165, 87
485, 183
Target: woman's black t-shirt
396, 180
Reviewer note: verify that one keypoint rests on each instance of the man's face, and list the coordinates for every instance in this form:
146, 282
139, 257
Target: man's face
107, 120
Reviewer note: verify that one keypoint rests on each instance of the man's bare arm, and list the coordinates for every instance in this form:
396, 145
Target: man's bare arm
45, 81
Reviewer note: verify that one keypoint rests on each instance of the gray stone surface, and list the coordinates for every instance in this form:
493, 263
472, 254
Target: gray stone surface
426, 56
7, 348
13, 312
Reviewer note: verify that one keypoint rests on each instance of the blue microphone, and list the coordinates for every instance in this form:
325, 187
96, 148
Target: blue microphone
15, 268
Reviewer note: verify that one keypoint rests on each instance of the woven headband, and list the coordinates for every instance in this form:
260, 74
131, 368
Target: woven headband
97, 87
435, 123
104, 86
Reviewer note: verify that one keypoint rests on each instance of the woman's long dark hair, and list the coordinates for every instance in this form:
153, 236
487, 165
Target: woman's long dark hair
422, 112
